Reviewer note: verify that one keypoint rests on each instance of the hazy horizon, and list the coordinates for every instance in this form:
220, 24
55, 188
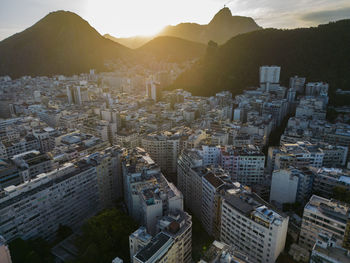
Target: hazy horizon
141, 18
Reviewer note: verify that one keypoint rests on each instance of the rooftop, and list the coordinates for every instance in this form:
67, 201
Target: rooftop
141, 233
220, 252
328, 207
161, 242
252, 206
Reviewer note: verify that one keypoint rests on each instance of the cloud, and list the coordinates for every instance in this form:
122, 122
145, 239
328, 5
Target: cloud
291, 13
326, 15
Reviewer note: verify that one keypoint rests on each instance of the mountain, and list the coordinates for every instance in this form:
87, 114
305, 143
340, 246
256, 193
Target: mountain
172, 49
60, 43
320, 54
221, 28
131, 42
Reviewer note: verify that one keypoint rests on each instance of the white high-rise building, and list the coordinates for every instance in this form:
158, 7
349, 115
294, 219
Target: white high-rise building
210, 154
153, 90
284, 186
291, 185
252, 226
69, 95
74, 95
269, 75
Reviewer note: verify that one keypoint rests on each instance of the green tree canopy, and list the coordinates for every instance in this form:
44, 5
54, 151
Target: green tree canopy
105, 237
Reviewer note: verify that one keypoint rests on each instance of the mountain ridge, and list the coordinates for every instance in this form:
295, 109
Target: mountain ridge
221, 28
64, 43
60, 43
319, 53
172, 49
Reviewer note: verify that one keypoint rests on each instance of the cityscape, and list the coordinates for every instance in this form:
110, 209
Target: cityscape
159, 155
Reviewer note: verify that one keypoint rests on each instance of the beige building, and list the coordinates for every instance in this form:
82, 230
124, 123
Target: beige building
5, 256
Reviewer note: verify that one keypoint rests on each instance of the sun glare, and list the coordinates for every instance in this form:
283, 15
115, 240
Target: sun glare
144, 18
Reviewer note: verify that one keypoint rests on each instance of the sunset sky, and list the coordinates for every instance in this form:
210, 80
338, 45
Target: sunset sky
122, 18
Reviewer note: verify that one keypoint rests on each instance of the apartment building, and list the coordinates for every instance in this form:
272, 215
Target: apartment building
109, 174
172, 243
147, 193
244, 164
323, 215
32, 163
291, 185
213, 182
25, 144
302, 154
127, 139
178, 225
164, 149
312, 108
67, 196
327, 250
327, 179
252, 226
46, 138
186, 183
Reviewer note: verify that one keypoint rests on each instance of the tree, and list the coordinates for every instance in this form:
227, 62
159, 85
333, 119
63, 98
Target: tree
341, 194
62, 233
105, 237
30, 251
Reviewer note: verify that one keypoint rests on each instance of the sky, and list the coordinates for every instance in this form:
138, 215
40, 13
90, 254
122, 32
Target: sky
124, 18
